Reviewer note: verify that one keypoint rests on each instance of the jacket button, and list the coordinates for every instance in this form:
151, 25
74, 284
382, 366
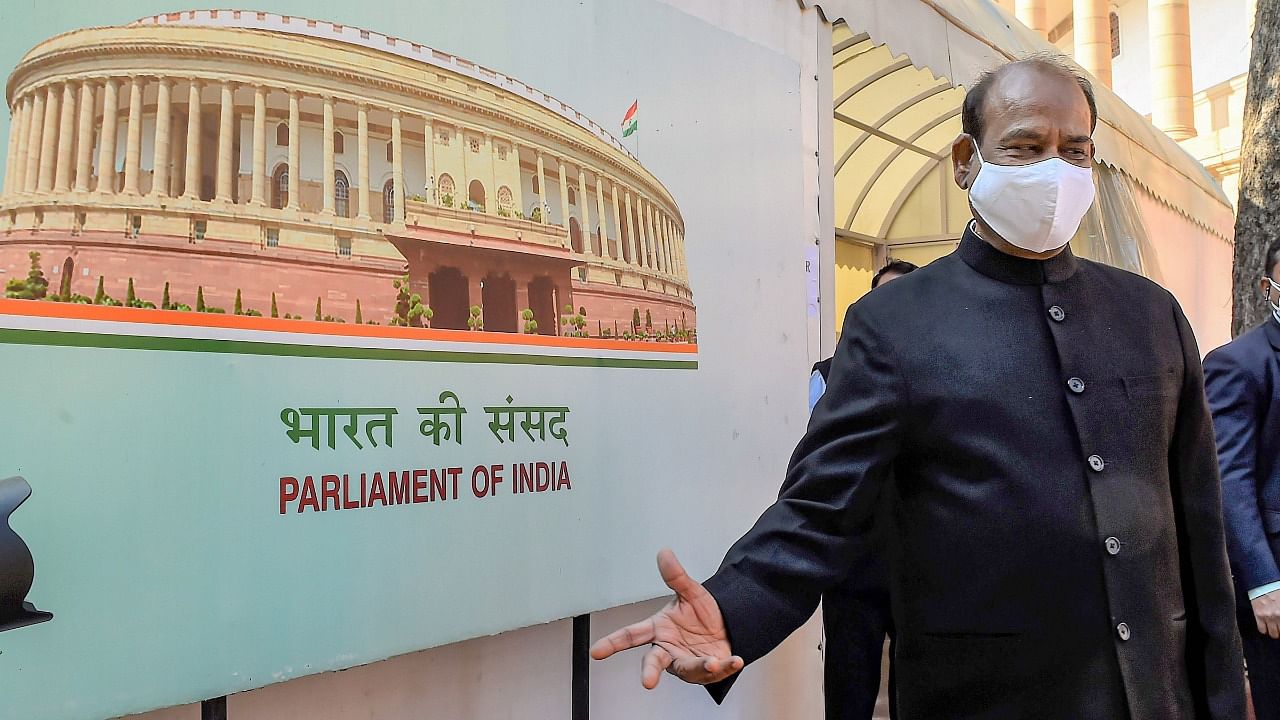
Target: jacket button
1096, 463
1122, 630
1113, 546
1057, 314
1076, 385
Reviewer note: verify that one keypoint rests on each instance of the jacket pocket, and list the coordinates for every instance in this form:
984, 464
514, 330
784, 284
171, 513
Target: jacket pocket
1160, 384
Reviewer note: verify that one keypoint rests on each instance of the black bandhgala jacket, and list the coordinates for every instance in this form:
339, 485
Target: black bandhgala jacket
1056, 541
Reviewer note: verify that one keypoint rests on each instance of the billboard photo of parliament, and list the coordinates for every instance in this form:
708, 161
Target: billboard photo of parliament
259, 164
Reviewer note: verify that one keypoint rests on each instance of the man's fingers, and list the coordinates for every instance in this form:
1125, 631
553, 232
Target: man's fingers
1273, 629
655, 661
674, 575
705, 670
631, 636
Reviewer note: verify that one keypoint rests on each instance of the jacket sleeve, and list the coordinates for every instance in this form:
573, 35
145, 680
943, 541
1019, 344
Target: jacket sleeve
771, 580
1215, 665
1234, 397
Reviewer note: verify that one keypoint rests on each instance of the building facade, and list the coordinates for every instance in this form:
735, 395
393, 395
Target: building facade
1183, 63
304, 166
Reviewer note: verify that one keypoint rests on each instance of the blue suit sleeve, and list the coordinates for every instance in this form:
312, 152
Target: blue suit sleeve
1234, 397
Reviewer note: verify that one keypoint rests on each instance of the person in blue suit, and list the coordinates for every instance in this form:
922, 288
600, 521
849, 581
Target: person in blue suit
1242, 380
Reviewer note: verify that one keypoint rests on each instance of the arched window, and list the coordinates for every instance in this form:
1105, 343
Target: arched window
338, 143
390, 151
446, 189
573, 197
1115, 35
280, 187
505, 199
341, 194
389, 202
475, 194
282, 134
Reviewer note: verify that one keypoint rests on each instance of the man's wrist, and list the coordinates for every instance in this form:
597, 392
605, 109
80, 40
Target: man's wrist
1261, 590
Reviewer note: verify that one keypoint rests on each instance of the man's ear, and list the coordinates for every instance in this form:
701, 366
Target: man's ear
1265, 286
962, 158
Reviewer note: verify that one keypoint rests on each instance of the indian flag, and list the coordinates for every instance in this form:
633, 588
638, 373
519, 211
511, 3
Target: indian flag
629, 123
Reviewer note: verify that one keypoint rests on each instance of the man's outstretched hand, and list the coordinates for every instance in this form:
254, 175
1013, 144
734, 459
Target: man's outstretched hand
687, 638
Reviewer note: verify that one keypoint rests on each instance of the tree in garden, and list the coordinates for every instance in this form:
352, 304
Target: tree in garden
130, 297
1258, 214
476, 321
238, 308
635, 320
530, 324
164, 299
648, 320
100, 294
359, 315
200, 306
319, 311
64, 285
33, 287
275, 311
409, 310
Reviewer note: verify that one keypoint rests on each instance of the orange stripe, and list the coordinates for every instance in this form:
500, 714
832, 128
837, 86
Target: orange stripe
73, 311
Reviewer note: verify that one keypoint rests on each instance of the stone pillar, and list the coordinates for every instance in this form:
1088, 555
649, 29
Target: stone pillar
193, 175
15, 130
362, 127
84, 141
543, 208
226, 139
162, 156
1034, 15
646, 238
519, 188
564, 195
491, 197
32, 174
258, 196
133, 137
1172, 109
49, 139
1092, 23
329, 171
617, 220
295, 149
66, 139
397, 170
604, 240
19, 184
631, 231
429, 160
584, 217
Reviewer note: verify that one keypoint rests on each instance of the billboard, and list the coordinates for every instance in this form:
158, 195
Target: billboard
335, 333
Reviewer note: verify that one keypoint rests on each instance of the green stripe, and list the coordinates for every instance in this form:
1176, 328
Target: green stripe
56, 338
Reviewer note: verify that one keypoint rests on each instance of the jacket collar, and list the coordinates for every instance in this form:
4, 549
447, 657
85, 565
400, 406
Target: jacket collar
1272, 329
1006, 268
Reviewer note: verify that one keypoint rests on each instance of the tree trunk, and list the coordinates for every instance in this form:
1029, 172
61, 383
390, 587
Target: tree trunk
1258, 218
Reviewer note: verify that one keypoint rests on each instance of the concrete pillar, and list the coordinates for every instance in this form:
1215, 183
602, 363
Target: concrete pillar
1172, 109
362, 128
1034, 15
617, 221
519, 188
604, 241
162, 155
133, 137
84, 141
66, 139
491, 197
192, 176
564, 195
295, 150
32, 174
330, 173
15, 129
397, 170
226, 142
631, 231
542, 190
258, 195
1091, 19
429, 160
21, 151
584, 217
49, 139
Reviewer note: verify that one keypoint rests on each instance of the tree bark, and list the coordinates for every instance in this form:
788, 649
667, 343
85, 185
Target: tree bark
1258, 217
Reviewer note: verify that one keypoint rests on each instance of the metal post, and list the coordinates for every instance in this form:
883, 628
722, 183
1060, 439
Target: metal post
215, 709
581, 707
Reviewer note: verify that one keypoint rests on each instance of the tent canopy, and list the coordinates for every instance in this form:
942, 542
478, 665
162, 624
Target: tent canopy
899, 68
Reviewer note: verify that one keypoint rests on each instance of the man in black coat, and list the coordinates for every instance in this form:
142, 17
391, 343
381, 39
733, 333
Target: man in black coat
1242, 379
1057, 545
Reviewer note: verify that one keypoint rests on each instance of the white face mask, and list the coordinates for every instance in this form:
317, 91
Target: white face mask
1037, 207
1273, 299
